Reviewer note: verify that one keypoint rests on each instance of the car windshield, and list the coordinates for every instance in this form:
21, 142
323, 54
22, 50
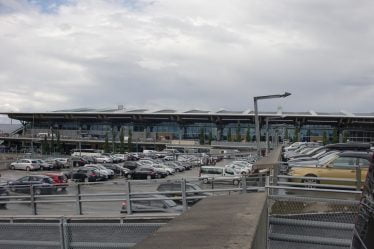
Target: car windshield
170, 203
326, 159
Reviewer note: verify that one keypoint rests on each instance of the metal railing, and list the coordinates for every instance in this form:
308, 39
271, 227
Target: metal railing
66, 235
80, 194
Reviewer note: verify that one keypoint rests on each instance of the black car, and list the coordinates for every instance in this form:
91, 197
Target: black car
177, 186
78, 161
84, 173
131, 165
118, 169
3, 194
143, 173
42, 184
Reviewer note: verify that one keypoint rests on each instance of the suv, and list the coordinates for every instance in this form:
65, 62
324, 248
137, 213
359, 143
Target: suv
42, 184
219, 174
177, 186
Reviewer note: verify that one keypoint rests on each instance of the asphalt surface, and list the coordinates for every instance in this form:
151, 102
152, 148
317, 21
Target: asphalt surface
91, 205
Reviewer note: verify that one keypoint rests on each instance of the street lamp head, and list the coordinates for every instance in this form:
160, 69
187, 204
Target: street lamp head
286, 94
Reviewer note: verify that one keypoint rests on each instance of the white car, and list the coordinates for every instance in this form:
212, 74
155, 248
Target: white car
165, 168
25, 164
103, 159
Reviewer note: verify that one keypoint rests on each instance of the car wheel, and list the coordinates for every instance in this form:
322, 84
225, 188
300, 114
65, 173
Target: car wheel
28, 168
13, 189
129, 176
235, 182
38, 191
12, 167
205, 180
312, 182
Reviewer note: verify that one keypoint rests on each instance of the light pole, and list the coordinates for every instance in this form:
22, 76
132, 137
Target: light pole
257, 122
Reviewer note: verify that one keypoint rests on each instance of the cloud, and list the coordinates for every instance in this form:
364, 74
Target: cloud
184, 54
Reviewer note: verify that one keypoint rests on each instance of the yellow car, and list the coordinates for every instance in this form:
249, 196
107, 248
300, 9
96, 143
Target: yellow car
342, 166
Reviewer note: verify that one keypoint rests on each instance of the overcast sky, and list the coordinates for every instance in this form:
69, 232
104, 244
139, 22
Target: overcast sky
186, 54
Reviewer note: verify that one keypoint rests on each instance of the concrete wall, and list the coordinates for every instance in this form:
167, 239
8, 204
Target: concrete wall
220, 222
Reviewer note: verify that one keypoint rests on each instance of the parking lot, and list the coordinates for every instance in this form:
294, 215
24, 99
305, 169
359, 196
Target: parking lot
104, 198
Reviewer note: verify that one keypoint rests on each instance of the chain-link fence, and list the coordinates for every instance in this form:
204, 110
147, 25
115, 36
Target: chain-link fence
74, 235
305, 222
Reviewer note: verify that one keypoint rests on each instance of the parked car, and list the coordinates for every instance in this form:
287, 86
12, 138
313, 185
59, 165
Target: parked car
343, 166
63, 162
117, 169
3, 194
42, 184
154, 206
59, 179
177, 186
103, 159
219, 174
105, 173
143, 173
77, 161
25, 164
175, 166
46, 165
83, 174
131, 165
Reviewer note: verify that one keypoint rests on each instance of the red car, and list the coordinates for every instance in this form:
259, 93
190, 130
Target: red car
59, 179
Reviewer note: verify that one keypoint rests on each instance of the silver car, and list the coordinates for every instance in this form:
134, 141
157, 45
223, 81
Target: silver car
25, 164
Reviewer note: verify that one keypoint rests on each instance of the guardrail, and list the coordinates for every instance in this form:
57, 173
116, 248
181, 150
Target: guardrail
76, 196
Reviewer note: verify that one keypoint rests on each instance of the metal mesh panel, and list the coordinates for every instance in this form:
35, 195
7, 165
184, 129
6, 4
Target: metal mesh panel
303, 222
25, 235
80, 236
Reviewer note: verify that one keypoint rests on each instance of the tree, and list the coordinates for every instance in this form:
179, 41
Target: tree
308, 135
122, 141
324, 138
229, 135
297, 134
335, 136
286, 137
129, 141
45, 145
248, 135
52, 145
58, 143
210, 137
202, 136
106, 143
113, 140
345, 136
238, 136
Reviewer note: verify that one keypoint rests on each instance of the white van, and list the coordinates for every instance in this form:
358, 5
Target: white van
219, 174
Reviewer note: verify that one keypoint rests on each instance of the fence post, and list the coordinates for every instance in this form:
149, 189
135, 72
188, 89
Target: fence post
212, 182
65, 233
184, 195
32, 201
78, 200
267, 184
261, 180
358, 178
62, 233
129, 209
244, 184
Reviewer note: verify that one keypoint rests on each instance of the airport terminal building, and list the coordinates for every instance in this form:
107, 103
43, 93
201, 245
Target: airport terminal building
153, 127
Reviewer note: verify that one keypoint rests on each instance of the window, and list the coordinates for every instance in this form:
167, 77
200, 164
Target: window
345, 162
229, 171
24, 179
157, 204
362, 162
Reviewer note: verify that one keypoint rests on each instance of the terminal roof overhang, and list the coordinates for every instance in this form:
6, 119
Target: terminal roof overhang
195, 115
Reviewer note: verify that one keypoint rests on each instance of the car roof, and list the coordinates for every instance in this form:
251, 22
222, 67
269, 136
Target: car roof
360, 154
349, 146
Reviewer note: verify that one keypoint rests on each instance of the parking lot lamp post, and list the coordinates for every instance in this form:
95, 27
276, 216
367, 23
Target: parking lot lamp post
257, 122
